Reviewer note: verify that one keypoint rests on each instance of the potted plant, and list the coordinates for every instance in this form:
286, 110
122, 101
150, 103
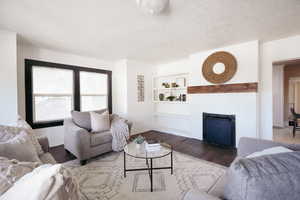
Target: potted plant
166, 85
171, 98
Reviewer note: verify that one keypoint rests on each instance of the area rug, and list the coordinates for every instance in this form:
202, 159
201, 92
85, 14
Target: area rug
102, 178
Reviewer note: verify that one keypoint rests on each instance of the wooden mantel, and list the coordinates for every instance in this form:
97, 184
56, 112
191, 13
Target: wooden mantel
224, 88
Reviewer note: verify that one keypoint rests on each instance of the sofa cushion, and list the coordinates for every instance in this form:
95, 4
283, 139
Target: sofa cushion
269, 151
8, 132
269, 177
101, 138
12, 170
83, 119
100, 122
42, 182
20, 147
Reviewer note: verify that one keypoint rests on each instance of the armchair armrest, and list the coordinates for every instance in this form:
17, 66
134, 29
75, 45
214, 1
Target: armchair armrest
44, 142
129, 123
248, 146
76, 139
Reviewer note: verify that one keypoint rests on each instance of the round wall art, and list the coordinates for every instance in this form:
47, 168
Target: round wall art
219, 67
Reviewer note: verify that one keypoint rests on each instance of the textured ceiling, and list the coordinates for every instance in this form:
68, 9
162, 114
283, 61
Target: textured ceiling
116, 29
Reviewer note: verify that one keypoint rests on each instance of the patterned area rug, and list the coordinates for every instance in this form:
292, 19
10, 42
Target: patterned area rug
102, 178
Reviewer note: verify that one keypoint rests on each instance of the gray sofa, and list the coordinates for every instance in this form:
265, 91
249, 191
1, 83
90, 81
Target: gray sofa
85, 145
46, 157
246, 147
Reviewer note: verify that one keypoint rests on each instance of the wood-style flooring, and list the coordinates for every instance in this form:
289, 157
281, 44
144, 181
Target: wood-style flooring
193, 147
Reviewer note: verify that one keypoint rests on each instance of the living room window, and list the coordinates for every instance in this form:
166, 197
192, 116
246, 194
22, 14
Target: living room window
93, 91
52, 94
53, 90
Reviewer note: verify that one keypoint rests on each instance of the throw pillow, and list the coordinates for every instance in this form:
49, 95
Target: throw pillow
12, 170
8, 132
38, 184
45, 182
100, 122
20, 147
83, 119
269, 151
269, 177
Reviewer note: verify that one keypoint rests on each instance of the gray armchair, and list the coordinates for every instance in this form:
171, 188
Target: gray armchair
85, 145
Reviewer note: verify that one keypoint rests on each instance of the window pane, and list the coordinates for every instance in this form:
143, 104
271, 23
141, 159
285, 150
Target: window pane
52, 93
52, 80
93, 90
90, 103
49, 108
93, 83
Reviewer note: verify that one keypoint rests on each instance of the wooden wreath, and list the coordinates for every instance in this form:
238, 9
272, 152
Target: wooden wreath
229, 62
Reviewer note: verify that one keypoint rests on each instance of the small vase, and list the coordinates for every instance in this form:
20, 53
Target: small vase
161, 97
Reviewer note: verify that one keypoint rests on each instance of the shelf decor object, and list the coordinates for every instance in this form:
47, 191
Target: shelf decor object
225, 59
170, 88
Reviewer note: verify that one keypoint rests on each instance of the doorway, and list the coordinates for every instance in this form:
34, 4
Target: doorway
286, 95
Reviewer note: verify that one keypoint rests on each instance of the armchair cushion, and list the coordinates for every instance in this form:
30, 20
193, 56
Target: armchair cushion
83, 119
100, 122
101, 138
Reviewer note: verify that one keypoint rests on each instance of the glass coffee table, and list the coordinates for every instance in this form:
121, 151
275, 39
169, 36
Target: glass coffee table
139, 151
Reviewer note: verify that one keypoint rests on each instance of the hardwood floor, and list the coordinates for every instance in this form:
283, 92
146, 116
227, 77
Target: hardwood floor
189, 146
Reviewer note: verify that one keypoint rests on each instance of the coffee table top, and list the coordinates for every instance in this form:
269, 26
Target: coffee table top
139, 150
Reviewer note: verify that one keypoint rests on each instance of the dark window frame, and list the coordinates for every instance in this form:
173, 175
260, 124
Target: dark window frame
29, 63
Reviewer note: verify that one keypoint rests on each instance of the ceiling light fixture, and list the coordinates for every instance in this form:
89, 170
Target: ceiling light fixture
153, 7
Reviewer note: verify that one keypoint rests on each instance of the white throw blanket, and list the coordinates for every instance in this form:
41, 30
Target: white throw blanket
120, 133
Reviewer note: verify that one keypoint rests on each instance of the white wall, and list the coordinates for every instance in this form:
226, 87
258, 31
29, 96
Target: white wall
172, 118
140, 113
243, 105
55, 134
8, 78
125, 94
278, 50
119, 85
278, 96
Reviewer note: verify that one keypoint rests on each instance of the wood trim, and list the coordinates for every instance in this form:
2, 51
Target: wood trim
227, 88
287, 62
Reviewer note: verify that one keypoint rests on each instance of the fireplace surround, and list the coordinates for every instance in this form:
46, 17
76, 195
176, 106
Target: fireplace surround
219, 129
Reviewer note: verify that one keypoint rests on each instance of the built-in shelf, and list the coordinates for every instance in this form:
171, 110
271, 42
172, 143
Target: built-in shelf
171, 102
180, 92
174, 88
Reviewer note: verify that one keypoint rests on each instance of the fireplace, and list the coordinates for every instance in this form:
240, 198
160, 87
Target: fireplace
219, 129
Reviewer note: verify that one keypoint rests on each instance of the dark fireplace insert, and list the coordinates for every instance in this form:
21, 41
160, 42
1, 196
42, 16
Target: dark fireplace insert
219, 129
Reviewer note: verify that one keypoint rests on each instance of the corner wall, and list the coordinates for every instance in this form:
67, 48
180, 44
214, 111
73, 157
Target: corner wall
8, 78
277, 50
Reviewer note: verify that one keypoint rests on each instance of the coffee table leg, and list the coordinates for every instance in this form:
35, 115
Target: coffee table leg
151, 174
124, 164
172, 162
